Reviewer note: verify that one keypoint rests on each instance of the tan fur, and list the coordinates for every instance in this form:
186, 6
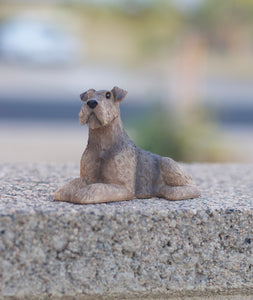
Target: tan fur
113, 168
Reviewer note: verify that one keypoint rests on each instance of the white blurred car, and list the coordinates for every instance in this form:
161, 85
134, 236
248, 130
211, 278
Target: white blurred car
38, 42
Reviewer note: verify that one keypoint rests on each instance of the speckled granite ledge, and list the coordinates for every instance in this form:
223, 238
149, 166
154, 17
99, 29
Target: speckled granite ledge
140, 249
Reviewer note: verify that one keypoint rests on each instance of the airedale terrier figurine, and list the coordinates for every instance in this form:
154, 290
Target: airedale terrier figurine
112, 167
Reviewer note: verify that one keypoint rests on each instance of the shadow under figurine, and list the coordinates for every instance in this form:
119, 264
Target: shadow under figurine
112, 167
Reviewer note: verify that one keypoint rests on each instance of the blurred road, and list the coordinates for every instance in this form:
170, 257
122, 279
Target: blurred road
39, 107
26, 141
48, 141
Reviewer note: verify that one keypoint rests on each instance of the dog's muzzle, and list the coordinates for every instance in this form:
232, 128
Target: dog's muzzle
92, 103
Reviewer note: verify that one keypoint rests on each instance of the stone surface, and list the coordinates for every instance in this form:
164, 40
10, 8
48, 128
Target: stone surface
133, 249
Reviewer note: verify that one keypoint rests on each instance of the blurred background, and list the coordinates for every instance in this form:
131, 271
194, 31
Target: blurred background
187, 64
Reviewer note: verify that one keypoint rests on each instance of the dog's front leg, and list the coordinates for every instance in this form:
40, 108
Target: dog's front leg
67, 192
100, 192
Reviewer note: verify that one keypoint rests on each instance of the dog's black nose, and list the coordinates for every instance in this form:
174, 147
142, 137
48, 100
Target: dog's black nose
92, 103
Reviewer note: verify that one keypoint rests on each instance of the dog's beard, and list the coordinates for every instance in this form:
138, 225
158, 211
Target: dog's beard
99, 117
93, 122
83, 116
89, 118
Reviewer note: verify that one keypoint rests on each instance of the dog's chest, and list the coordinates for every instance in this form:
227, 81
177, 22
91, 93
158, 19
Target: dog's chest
103, 155
116, 165
96, 164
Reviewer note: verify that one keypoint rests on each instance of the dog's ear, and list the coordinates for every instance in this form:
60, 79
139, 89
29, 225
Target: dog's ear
119, 94
85, 96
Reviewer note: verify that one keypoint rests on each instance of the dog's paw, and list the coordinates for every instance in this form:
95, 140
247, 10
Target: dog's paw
83, 196
62, 195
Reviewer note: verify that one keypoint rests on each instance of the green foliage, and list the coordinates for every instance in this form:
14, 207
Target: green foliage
184, 140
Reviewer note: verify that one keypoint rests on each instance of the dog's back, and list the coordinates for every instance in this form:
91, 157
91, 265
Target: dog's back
153, 171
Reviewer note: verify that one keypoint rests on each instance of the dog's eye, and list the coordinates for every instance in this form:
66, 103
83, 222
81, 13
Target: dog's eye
108, 95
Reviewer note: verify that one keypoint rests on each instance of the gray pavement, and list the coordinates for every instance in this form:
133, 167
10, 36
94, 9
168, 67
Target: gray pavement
149, 248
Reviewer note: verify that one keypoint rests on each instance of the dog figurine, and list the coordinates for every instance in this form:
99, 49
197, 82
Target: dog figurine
112, 167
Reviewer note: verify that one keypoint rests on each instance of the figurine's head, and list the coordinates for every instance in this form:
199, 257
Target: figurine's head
100, 107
